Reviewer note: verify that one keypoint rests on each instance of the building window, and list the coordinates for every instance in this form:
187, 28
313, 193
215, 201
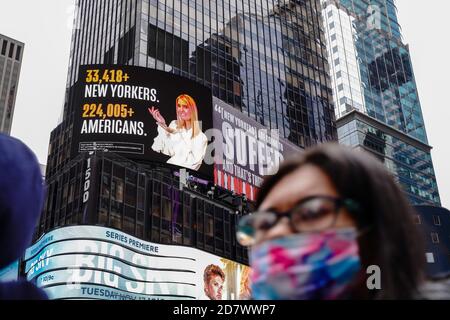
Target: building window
106, 189
11, 50
117, 190
116, 221
156, 205
18, 52
103, 212
417, 219
175, 53
437, 220
126, 46
209, 226
141, 199
130, 195
434, 237
109, 56
167, 209
4, 46
155, 235
430, 257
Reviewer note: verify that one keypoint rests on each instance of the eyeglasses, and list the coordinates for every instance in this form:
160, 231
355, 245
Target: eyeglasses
312, 214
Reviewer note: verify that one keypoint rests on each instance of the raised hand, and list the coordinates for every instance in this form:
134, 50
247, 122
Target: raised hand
159, 119
152, 111
157, 116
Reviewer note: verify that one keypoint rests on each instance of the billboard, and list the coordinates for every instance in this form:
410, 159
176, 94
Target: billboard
91, 262
246, 151
142, 114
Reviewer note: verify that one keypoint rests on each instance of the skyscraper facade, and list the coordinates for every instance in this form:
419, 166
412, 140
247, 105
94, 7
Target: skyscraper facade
11, 52
252, 54
377, 103
267, 59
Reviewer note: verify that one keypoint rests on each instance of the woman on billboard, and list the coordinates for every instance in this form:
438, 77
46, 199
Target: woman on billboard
183, 140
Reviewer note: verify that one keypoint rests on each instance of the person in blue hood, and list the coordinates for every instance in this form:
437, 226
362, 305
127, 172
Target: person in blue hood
21, 200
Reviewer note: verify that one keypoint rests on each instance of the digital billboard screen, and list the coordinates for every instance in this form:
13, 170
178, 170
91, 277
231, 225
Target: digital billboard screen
90, 262
245, 150
142, 114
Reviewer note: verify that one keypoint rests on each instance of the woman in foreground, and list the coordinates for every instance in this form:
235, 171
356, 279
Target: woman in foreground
333, 224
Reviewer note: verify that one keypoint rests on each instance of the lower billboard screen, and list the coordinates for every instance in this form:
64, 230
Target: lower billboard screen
89, 262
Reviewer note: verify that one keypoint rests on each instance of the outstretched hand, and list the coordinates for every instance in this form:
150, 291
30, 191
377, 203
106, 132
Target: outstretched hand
157, 116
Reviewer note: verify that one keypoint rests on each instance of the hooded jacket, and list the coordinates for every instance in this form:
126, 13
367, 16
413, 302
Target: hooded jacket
21, 200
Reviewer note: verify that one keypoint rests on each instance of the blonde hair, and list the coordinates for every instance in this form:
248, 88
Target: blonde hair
190, 102
245, 291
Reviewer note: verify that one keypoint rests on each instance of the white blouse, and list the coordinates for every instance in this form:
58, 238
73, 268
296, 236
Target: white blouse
184, 150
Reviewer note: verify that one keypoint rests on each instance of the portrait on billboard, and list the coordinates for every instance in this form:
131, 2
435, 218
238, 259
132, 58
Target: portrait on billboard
69, 263
182, 140
214, 280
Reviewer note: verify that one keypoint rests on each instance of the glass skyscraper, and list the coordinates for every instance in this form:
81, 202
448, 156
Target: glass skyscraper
11, 52
377, 103
265, 58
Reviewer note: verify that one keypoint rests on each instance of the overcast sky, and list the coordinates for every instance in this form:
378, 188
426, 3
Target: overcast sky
45, 28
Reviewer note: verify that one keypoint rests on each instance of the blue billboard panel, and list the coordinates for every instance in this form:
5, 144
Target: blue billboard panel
89, 262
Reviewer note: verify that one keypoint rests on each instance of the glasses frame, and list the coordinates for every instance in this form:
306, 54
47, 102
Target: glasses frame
339, 203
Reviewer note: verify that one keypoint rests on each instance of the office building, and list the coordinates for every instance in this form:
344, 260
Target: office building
11, 53
434, 223
377, 103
